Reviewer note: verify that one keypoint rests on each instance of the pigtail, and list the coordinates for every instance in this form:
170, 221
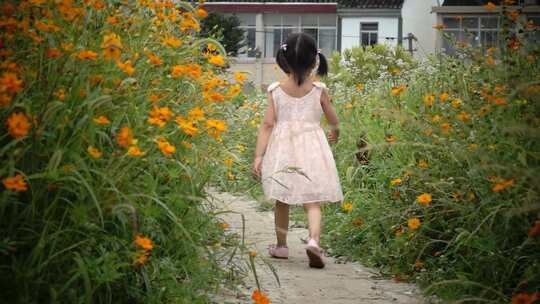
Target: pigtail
281, 61
322, 70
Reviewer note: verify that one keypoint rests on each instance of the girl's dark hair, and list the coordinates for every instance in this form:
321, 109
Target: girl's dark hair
299, 55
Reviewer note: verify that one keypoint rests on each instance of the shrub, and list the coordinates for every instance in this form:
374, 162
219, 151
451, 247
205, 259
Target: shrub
110, 112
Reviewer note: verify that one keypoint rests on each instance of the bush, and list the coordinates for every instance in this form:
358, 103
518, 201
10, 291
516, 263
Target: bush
110, 112
438, 168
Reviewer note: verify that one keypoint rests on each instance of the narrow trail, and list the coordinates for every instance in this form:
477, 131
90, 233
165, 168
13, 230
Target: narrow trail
335, 284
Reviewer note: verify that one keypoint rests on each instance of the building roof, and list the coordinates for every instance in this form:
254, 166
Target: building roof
393, 4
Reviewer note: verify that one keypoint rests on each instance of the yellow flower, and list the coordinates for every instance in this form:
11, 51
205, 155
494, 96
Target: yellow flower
60, 94
172, 42
102, 120
436, 118
234, 90
424, 199
125, 137
15, 183
159, 116
422, 164
135, 151
456, 103
218, 125
94, 152
360, 87
144, 242
87, 55
228, 162
241, 148
166, 148
230, 176
111, 46
395, 182
413, 223
347, 206
429, 99
240, 77
473, 146
18, 125
153, 59
217, 60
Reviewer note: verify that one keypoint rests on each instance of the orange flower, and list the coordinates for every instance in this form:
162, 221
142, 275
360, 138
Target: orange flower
102, 120
196, 114
240, 77
153, 59
413, 223
445, 127
94, 152
253, 253
503, 184
225, 226
424, 199
456, 103
154, 98
15, 183
5, 100
524, 298
126, 67
395, 182
260, 297
422, 164
436, 118
166, 148
9, 82
398, 90
390, 138
347, 206
490, 6
60, 94
144, 242
160, 116
535, 229
444, 96
429, 99
490, 60
172, 42
187, 126
201, 13
217, 60
360, 87
234, 90
53, 53
463, 116
439, 26
141, 259
135, 151
500, 101
18, 125
125, 137
87, 55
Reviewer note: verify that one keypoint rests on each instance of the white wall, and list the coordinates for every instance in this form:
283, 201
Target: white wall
418, 20
350, 31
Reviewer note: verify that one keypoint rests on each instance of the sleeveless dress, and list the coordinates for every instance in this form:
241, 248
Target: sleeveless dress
298, 166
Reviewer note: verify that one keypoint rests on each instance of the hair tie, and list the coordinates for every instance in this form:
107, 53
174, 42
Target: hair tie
284, 47
318, 51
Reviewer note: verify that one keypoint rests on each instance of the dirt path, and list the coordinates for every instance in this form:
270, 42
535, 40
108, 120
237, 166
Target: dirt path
336, 283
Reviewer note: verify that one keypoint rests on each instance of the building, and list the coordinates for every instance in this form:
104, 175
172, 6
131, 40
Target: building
470, 22
335, 25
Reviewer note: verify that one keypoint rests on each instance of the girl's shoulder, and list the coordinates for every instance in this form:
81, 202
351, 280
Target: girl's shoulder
320, 85
273, 86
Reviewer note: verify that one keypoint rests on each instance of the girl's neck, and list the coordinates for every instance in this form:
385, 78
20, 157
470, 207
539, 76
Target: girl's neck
293, 82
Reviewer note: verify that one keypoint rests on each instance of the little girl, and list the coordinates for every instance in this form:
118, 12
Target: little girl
298, 167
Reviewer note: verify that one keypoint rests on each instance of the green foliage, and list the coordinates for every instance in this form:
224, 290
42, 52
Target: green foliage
226, 30
463, 129
68, 236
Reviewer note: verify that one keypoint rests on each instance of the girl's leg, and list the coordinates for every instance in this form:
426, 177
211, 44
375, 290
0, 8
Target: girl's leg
282, 223
313, 211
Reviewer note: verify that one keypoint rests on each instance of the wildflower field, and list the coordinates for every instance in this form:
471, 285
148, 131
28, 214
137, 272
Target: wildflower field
110, 113
439, 163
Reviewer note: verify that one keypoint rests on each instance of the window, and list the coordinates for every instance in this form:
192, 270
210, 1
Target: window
369, 33
247, 23
321, 27
472, 31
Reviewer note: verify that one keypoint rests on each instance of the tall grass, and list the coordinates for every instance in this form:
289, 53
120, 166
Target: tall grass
110, 112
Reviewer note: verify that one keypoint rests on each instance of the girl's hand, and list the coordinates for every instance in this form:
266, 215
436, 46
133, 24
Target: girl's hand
333, 136
256, 169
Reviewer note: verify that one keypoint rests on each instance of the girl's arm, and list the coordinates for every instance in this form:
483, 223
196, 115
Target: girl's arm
331, 117
264, 135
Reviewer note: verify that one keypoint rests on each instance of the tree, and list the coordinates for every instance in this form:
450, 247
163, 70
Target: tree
226, 30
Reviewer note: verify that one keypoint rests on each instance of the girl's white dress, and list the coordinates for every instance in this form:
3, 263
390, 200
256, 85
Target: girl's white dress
298, 166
